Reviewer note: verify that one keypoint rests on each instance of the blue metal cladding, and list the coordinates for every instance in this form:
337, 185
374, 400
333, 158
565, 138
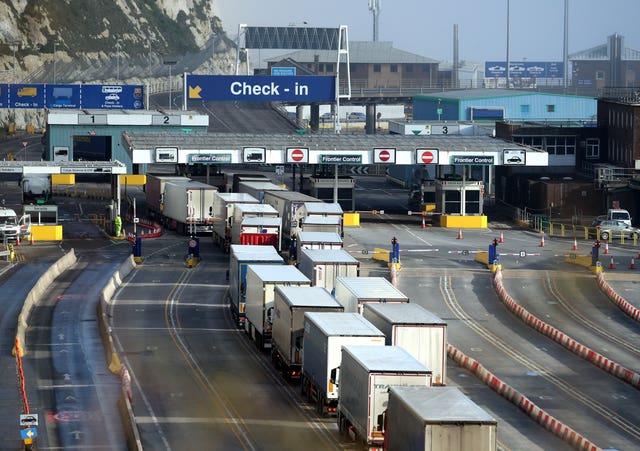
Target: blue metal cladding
519, 106
535, 106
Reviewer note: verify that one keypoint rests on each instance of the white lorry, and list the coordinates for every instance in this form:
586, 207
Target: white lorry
323, 266
289, 206
289, 306
13, 228
366, 373
36, 186
256, 224
223, 204
180, 203
241, 256
414, 328
324, 335
437, 418
261, 283
353, 292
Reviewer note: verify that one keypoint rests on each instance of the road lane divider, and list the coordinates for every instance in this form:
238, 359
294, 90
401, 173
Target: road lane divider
505, 390
35, 294
132, 435
629, 376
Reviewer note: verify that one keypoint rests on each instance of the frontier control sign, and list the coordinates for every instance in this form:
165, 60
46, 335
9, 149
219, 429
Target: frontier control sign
261, 88
340, 159
478, 160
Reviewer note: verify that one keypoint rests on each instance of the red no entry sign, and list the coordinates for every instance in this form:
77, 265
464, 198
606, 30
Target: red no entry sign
297, 155
427, 156
384, 155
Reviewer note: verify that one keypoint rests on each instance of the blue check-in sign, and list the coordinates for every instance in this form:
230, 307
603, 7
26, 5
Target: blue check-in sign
261, 88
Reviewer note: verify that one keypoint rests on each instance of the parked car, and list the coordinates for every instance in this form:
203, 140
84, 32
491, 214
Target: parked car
327, 116
355, 116
612, 229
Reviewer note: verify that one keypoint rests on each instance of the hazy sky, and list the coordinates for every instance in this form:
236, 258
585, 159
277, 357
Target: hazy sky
425, 27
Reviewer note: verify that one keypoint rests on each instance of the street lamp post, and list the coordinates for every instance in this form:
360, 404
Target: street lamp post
170, 62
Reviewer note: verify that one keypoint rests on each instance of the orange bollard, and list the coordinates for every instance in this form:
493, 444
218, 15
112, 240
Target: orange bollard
606, 247
501, 238
575, 243
424, 224
633, 264
459, 237
612, 265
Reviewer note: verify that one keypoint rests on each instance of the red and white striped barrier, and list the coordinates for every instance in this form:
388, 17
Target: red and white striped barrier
155, 229
525, 404
618, 300
125, 378
591, 356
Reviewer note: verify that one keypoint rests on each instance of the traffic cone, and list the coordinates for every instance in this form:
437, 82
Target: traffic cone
606, 247
633, 264
18, 240
424, 224
612, 265
31, 239
575, 243
542, 240
459, 237
501, 240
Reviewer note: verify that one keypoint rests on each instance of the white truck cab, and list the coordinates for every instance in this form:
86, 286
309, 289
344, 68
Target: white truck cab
11, 226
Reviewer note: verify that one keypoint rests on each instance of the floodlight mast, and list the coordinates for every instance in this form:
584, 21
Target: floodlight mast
375, 8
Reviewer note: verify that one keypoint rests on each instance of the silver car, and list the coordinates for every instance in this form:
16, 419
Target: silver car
614, 229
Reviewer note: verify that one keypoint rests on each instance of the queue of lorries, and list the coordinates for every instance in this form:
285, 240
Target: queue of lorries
356, 345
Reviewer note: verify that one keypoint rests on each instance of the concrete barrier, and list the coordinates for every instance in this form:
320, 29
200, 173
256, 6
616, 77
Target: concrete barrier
618, 300
114, 282
113, 360
34, 296
525, 404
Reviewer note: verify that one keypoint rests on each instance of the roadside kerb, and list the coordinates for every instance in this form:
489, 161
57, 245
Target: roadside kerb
591, 356
34, 296
525, 404
113, 360
618, 300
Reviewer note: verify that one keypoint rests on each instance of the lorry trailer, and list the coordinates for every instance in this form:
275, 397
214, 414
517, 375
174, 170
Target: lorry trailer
290, 304
240, 257
261, 283
417, 330
323, 266
223, 204
324, 335
437, 418
289, 206
353, 292
366, 373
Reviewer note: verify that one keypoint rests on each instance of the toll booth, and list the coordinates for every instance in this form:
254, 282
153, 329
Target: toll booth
323, 187
458, 197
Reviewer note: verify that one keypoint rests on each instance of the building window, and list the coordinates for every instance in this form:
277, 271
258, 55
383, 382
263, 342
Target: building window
551, 108
393, 68
560, 145
599, 75
376, 68
592, 148
408, 68
328, 67
525, 108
